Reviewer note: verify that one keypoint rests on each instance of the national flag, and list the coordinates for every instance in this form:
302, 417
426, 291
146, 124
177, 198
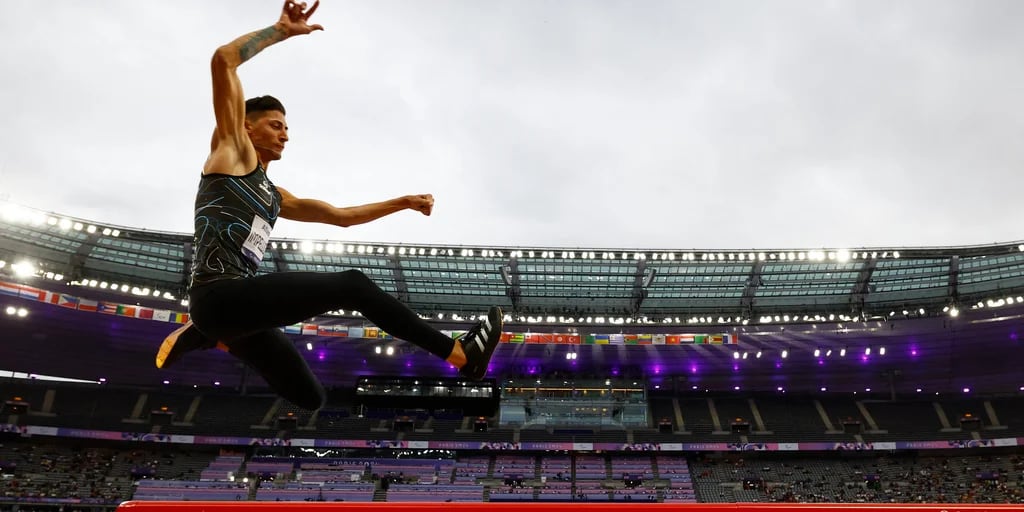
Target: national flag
616, 339
658, 339
144, 313
334, 331
381, 335
536, 337
716, 339
700, 339
589, 339
161, 315
52, 298
602, 339
731, 339
370, 332
673, 339
67, 301
9, 289
630, 339
107, 308
566, 339
309, 330
293, 329
29, 292
355, 332
645, 339
124, 310
517, 337
505, 337
179, 318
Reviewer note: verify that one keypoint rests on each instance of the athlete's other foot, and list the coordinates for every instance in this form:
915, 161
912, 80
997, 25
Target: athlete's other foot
478, 344
184, 339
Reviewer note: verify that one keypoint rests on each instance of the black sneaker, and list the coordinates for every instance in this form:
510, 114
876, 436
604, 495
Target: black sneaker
184, 339
478, 344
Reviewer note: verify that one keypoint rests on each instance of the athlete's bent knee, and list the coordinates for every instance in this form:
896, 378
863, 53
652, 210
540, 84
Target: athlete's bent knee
356, 278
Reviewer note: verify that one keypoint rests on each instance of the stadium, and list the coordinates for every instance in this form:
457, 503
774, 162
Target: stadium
625, 376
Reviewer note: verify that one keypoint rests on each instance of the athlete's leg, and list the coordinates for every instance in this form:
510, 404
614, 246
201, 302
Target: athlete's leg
227, 310
277, 360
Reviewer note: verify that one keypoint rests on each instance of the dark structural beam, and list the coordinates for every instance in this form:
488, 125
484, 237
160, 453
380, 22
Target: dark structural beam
750, 289
861, 288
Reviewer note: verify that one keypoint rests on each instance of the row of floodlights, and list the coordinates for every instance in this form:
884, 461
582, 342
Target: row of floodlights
25, 268
840, 255
817, 353
141, 291
18, 312
1000, 302
15, 214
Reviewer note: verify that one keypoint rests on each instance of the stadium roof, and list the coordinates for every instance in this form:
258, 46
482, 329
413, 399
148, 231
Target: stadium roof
575, 286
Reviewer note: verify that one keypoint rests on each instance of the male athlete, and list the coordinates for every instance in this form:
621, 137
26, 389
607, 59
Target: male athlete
236, 206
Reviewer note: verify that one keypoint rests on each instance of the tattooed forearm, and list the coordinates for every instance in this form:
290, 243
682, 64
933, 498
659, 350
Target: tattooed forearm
255, 42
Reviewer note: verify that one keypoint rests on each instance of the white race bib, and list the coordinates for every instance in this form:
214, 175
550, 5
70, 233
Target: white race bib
256, 244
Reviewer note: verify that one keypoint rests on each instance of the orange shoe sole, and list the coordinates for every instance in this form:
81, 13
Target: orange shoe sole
168, 344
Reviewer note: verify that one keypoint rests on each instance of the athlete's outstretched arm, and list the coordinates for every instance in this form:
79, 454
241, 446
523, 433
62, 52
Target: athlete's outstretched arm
313, 210
230, 147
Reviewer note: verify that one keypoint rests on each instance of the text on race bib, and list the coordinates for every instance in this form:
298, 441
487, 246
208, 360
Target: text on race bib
256, 243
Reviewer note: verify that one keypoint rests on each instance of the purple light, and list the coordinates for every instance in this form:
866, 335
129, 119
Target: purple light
1013, 336
657, 368
821, 362
778, 364
735, 367
615, 372
321, 355
967, 390
408, 364
693, 368
913, 351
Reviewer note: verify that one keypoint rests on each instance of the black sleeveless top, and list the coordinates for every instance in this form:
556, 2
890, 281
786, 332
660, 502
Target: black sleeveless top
233, 219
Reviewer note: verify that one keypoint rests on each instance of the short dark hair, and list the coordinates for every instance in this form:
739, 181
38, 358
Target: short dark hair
261, 104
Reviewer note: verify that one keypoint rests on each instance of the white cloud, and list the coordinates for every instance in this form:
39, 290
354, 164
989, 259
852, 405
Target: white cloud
576, 123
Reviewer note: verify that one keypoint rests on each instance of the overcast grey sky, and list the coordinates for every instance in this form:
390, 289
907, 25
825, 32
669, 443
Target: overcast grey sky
598, 123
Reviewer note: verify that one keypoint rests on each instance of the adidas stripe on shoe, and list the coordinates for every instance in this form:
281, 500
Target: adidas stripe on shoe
479, 343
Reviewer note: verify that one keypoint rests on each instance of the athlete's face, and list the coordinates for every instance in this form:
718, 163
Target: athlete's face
268, 133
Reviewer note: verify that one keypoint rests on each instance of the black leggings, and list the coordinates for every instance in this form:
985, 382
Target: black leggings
246, 314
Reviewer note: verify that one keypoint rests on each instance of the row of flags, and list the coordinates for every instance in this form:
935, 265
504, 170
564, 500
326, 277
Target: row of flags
92, 306
345, 331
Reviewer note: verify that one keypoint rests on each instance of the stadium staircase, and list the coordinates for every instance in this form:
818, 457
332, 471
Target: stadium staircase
993, 420
829, 427
680, 424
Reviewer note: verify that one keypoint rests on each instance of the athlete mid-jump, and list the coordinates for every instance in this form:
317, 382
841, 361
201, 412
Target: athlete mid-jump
232, 307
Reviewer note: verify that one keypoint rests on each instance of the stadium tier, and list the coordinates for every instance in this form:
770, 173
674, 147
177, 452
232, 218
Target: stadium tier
624, 377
